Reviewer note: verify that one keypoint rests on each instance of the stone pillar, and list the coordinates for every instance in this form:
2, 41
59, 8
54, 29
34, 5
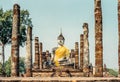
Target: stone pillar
47, 56
41, 50
76, 55
29, 52
119, 36
47, 53
105, 70
15, 41
81, 51
98, 40
36, 64
72, 54
86, 49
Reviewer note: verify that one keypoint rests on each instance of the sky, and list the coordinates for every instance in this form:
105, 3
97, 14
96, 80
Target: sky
49, 16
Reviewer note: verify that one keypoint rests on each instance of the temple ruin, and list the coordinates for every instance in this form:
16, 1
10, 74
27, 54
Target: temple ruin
47, 69
76, 65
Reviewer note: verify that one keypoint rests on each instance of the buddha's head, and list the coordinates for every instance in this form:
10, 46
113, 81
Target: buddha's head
61, 40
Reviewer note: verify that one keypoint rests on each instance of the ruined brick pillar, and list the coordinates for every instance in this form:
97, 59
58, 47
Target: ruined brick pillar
86, 44
81, 51
36, 64
15, 41
48, 57
29, 52
47, 53
119, 36
86, 49
98, 40
41, 50
105, 70
72, 54
76, 55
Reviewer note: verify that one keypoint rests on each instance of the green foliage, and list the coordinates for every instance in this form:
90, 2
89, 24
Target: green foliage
24, 22
113, 72
6, 26
0, 69
22, 65
8, 66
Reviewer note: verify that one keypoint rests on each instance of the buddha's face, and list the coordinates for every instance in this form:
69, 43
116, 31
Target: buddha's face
61, 42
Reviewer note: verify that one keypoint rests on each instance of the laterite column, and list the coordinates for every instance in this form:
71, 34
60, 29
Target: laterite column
81, 51
15, 41
76, 55
36, 66
98, 40
119, 37
29, 52
41, 50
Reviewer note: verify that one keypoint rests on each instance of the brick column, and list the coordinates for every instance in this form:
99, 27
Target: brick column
119, 37
29, 52
15, 41
72, 54
41, 50
81, 51
76, 55
36, 64
98, 40
86, 49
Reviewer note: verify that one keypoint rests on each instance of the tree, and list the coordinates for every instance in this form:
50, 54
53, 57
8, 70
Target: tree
6, 28
24, 22
8, 66
5, 31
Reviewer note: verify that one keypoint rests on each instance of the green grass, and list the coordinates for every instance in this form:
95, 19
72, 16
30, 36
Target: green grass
112, 72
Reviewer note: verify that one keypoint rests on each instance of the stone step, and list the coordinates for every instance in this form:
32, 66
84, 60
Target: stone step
58, 74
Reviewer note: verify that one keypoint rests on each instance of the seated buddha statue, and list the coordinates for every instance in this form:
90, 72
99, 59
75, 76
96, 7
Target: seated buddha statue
62, 52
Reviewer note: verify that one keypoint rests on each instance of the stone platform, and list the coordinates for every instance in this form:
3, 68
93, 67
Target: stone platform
49, 72
59, 79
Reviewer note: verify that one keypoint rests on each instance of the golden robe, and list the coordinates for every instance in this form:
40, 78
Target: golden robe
60, 53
